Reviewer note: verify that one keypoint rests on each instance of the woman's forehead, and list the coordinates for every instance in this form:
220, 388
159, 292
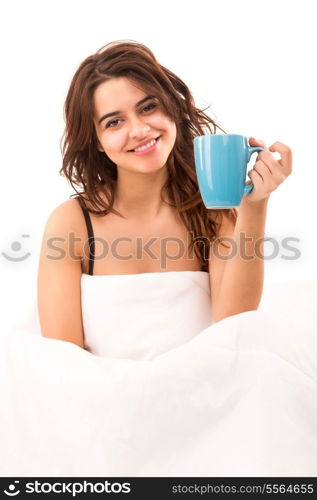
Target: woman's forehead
117, 90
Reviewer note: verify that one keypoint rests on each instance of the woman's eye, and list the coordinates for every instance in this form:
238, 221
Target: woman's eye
149, 106
109, 123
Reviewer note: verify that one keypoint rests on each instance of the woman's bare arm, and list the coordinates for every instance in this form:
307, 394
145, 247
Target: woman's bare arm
59, 275
237, 272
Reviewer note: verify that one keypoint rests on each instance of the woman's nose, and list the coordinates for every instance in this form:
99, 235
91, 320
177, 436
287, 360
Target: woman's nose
138, 128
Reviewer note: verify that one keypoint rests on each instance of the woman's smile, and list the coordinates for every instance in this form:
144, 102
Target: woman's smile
147, 149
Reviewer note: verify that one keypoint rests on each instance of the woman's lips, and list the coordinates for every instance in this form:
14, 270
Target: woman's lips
149, 150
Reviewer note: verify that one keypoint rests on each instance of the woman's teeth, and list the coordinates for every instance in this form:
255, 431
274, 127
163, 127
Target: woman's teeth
146, 146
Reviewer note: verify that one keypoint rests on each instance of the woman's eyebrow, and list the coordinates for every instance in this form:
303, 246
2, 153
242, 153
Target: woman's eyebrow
118, 112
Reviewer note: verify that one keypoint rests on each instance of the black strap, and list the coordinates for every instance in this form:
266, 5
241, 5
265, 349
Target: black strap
91, 239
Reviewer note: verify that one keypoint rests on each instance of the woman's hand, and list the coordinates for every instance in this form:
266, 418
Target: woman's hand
268, 173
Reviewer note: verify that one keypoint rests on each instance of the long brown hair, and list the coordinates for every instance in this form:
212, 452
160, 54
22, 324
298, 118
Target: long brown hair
92, 170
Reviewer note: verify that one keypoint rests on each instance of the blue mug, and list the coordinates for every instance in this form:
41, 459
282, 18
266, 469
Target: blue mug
221, 165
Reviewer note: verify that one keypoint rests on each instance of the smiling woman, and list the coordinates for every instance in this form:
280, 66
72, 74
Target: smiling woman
147, 365
121, 99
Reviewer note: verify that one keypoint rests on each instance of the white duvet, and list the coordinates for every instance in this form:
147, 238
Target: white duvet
160, 390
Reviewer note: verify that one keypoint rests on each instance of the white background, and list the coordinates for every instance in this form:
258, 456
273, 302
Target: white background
253, 61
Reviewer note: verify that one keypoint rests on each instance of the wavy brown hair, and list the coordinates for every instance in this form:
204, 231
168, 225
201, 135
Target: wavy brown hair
92, 170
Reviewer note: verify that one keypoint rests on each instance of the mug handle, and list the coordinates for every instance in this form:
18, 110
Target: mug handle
251, 150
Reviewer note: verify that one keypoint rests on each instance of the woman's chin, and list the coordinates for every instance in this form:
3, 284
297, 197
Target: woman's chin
147, 168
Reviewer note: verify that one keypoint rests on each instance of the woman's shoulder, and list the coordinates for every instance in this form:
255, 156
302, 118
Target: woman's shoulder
66, 220
71, 210
67, 213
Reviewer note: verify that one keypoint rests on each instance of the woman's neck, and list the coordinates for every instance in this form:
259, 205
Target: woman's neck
138, 195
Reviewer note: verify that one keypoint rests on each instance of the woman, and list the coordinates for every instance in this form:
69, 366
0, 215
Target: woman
177, 373
146, 194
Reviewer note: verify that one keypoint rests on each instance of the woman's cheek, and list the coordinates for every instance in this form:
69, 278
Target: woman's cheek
113, 143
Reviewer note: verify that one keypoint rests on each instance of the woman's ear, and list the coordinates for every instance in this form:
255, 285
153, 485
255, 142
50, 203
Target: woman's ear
96, 140
99, 147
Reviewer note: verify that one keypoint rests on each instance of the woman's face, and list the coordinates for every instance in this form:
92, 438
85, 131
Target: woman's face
131, 124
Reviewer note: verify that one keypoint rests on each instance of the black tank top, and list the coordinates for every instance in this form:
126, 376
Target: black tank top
90, 232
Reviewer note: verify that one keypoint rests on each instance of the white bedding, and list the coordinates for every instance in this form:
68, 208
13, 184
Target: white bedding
164, 396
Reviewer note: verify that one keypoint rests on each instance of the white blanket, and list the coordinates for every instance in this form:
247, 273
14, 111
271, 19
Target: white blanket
237, 399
